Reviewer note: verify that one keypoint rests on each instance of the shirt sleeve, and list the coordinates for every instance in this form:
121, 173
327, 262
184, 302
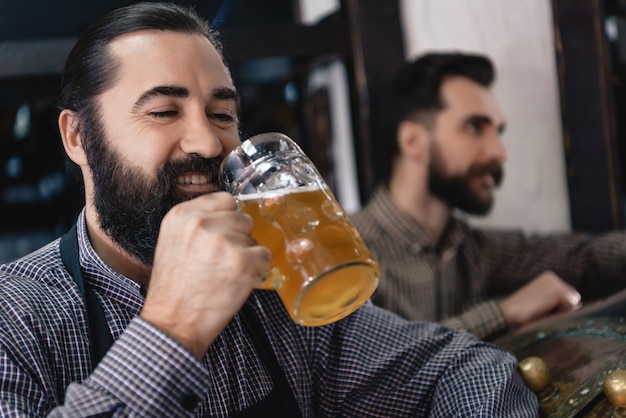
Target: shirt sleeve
484, 319
145, 373
594, 264
482, 383
377, 364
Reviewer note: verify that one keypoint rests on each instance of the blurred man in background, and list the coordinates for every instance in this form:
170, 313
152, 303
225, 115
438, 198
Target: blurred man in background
444, 153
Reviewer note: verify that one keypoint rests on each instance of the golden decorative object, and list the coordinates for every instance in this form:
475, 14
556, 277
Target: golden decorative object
535, 373
615, 390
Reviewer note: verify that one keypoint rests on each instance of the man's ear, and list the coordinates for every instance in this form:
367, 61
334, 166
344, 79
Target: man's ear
72, 141
413, 139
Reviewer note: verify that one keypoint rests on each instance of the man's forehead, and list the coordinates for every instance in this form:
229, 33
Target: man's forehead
142, 36
464, 96
151, 57
456, 90
152, 42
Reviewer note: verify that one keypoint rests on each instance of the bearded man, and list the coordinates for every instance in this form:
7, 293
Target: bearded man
444, 153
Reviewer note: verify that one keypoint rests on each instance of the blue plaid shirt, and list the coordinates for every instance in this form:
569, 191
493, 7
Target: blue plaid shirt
371, 364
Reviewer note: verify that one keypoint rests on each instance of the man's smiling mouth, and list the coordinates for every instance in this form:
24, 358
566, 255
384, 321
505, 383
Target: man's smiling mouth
196, 184
192, 179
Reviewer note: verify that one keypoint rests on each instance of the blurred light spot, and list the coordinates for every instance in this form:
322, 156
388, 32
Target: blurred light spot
13, 167
264, 69
21, 127
20, 194
611, 29
222, 14
51, 185
291, 93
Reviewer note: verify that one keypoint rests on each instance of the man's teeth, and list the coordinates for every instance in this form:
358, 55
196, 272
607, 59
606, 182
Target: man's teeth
192, 179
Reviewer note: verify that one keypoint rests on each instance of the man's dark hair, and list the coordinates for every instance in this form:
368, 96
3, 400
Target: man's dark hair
90, 69
415, 94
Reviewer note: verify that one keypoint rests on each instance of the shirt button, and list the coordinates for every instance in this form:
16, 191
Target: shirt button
190, 402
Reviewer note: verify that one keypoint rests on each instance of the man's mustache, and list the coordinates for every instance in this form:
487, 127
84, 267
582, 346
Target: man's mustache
194, 164
493, 168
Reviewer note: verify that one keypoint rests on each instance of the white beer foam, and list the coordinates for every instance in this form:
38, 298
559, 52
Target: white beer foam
280, 192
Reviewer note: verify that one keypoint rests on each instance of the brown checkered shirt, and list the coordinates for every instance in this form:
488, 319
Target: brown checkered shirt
458, 280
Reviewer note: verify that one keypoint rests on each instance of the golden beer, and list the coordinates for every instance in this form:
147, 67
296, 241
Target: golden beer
322, 269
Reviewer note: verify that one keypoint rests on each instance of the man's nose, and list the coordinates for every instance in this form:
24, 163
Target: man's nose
201, 138
495, 148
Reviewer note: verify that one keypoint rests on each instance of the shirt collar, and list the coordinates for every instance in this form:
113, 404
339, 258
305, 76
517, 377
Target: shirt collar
100, 275
407, 230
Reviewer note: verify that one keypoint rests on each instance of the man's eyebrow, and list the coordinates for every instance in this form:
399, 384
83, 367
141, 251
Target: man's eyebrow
169, 91
222, 93
225, 93
486, 120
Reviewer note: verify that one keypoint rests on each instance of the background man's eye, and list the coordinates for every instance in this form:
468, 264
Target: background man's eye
473, 128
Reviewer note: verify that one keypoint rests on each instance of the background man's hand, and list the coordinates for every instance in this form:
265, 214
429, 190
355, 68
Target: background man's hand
206, 264
546, 294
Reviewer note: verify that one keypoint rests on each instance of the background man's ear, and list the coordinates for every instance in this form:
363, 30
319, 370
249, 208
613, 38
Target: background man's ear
413, 139
72, 141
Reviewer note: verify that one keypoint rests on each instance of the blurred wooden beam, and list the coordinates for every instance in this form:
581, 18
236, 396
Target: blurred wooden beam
588, 110
377, 50
291, 40
33, 57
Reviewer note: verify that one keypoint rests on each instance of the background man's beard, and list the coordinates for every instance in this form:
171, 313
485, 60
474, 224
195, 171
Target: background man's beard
130, 205
457, 191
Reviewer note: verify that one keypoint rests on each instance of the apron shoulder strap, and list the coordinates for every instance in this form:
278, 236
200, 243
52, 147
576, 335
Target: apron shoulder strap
281, 402
98, 331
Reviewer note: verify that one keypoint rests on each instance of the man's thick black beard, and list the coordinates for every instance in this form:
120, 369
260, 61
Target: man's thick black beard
456, 190
130, 205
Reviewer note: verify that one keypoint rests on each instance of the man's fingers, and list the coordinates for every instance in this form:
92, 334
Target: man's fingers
570, 300
263, 258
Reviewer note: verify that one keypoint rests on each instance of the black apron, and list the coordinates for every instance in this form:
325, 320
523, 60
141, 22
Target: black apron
280, 402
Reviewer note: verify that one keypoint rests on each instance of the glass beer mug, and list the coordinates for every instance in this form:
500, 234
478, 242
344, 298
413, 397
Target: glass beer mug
322, 270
